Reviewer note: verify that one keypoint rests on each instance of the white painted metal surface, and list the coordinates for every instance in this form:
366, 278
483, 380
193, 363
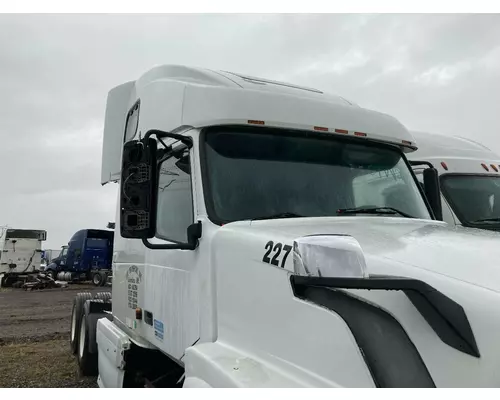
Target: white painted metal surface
261, 317
461, 155
112, 343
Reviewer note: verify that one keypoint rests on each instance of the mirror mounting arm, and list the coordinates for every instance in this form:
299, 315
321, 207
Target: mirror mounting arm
161, 134
416, 163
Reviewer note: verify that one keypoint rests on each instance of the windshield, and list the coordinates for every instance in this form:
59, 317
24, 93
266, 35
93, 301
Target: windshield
94, 243
474, 198
256, 173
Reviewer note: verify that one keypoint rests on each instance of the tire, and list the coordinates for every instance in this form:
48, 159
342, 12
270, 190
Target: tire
18, 285
51, 273
97, 278
76, 315
9, 280
105, 296
88, 361
104, 277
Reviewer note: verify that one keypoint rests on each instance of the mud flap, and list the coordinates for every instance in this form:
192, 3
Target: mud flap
112, 343
95, 309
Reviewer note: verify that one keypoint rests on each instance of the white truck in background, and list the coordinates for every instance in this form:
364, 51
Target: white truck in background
48, 255
262, 242
469, 178
20, 254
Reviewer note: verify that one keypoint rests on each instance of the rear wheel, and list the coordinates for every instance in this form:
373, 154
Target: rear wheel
104, 277
86, 360
87, 346
106, 296
76, 315
97, 278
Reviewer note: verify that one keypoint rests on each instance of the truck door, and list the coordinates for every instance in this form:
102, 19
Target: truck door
178, 321
162, 282
62, 256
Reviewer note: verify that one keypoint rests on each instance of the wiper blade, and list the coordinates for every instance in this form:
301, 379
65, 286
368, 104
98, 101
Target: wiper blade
496, 219
279, 215
373, 210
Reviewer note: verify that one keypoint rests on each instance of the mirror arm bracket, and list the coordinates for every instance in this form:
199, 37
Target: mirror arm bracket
416, 163
161, 134
177, 246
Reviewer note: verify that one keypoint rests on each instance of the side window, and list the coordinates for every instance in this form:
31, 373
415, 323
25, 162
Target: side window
175, 199
132, 122
78, 253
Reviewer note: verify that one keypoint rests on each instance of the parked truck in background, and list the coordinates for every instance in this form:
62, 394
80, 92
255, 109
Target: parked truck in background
469, 178
48, 255
56, 260
87, 256
270, 235
20, 254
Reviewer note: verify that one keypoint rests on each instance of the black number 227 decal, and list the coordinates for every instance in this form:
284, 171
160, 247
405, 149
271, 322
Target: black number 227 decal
277, 249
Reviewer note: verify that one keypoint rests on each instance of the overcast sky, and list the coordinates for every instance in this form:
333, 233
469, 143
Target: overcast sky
437, 73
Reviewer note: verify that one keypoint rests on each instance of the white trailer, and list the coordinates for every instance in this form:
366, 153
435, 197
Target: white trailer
269, 235
20, 254
469, 178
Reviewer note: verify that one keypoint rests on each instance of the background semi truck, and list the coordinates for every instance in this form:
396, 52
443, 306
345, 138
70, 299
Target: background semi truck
87, 256
20, 254
469, 178
260, 242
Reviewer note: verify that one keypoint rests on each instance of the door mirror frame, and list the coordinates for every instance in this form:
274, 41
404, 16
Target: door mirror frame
139, 191
432, 188
433, 191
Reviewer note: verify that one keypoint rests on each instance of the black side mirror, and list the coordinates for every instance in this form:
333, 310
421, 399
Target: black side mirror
433, 191
138, 189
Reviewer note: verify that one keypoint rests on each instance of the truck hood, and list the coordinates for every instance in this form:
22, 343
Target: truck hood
405, 247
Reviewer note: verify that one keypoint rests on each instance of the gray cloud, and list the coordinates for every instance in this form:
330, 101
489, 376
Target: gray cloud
433, 72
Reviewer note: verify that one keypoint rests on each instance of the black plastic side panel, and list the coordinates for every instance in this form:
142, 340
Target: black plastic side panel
445, 316
447, 319
391, 357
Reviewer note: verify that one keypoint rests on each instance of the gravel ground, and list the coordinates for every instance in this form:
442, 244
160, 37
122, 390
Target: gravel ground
34, 338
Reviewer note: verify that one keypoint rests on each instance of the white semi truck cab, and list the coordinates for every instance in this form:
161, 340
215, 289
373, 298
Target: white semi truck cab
270, 235
20, 253
469, 178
